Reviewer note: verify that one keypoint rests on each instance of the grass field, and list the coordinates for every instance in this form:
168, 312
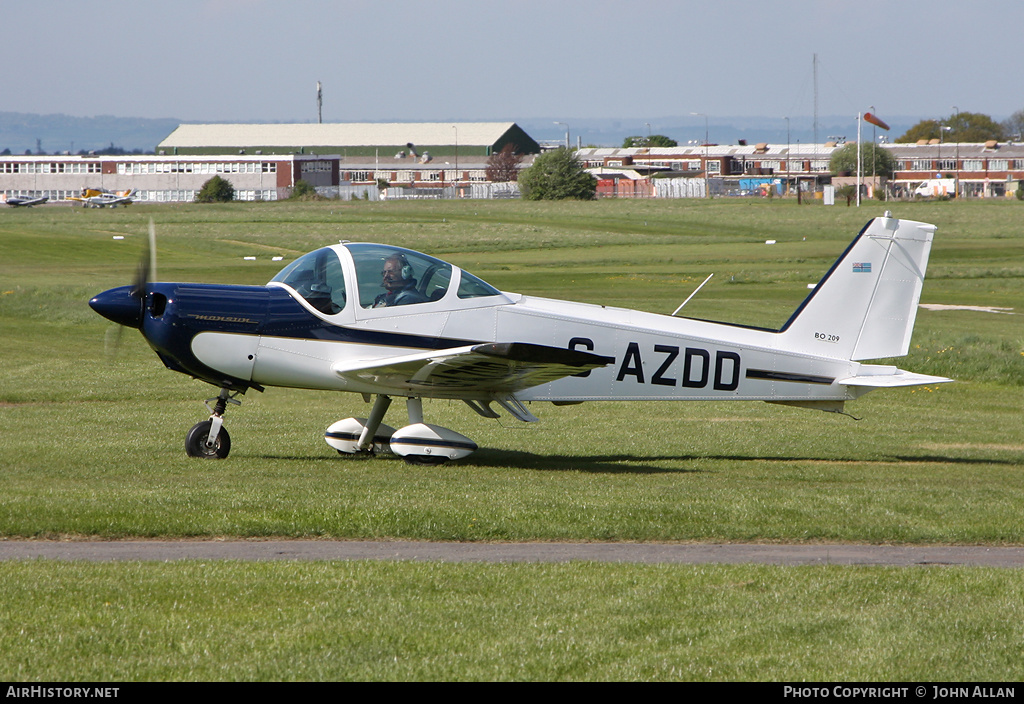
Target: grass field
92, 446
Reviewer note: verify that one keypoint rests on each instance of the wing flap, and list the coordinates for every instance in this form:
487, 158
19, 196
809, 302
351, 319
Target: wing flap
483, 370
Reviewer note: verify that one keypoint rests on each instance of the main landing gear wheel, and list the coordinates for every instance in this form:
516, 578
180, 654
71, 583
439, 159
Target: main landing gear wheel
196, 442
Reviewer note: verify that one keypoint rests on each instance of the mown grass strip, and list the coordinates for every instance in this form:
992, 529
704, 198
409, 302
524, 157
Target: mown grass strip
198, 621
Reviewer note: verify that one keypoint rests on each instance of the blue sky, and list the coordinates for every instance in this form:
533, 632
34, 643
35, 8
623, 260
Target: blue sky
395, 60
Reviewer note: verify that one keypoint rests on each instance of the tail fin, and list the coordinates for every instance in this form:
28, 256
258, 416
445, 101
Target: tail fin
866, 305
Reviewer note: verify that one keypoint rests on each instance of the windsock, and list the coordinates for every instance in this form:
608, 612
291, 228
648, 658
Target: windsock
874, 120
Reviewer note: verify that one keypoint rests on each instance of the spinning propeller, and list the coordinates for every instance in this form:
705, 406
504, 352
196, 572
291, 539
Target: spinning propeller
146, 270
126, 305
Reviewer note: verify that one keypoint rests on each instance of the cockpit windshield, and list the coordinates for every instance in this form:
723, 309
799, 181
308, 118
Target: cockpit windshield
318, 278
385, 277
392, 276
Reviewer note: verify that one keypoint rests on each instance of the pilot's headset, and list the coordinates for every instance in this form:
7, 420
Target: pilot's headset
406, 267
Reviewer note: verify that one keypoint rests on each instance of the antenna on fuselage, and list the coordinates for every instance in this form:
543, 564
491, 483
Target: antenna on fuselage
692, 294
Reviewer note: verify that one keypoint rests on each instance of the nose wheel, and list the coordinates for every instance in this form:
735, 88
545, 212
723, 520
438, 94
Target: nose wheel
197, 442
209, 439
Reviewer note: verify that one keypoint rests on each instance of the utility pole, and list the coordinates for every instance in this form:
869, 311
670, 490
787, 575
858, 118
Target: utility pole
815, 152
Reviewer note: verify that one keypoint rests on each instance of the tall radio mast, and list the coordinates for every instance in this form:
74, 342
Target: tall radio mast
815, 98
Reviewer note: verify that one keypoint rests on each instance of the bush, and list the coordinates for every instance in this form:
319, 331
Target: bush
304, 190
216, 190
848, 192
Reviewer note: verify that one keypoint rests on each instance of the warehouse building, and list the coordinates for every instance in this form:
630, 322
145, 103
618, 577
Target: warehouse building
368, 140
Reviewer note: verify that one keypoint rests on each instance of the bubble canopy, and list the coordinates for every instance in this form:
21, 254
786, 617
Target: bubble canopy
373, 276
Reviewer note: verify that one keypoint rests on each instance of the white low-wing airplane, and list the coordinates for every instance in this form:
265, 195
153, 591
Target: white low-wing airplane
27, 202
97, 198
380, 320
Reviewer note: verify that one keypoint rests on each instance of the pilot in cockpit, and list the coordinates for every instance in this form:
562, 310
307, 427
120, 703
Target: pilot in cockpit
399, 284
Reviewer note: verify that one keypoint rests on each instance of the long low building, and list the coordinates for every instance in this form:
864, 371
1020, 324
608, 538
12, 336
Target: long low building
162, 178
264, 161
979, 170
982, 170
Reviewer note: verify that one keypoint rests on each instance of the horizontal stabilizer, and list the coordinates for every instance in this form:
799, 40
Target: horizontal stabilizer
893, 380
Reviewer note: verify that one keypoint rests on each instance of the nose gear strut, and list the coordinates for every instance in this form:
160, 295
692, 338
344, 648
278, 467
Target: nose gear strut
209, 439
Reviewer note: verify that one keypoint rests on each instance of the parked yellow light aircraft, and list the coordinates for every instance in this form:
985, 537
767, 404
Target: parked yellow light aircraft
97, 198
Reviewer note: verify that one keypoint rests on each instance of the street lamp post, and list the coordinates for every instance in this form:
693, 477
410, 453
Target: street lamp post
956, 174
707, 191
859, 177
874, 145
457, 179
942, 128
883, 140
566, 126
788, 149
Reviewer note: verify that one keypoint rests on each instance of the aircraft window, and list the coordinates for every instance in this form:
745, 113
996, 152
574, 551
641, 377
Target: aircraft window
472, 287
318, 278
390, 276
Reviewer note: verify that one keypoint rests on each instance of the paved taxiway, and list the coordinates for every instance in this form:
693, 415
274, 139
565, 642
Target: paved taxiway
649, 553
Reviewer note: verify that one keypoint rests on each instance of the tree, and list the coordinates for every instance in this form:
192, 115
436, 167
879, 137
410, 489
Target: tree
216, 190
958, 127
557, 175
503, 166
1013, 127
925, 129
655, 140
874, 160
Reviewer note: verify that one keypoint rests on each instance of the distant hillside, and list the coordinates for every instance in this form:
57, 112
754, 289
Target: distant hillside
65, 133
721, 129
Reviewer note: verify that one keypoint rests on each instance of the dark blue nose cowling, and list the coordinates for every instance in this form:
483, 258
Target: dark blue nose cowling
119, 305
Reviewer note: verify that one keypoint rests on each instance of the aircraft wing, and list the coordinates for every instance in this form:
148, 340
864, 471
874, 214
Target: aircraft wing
474, 371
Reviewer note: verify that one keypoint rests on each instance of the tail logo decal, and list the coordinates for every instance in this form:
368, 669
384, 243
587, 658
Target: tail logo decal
862, 267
